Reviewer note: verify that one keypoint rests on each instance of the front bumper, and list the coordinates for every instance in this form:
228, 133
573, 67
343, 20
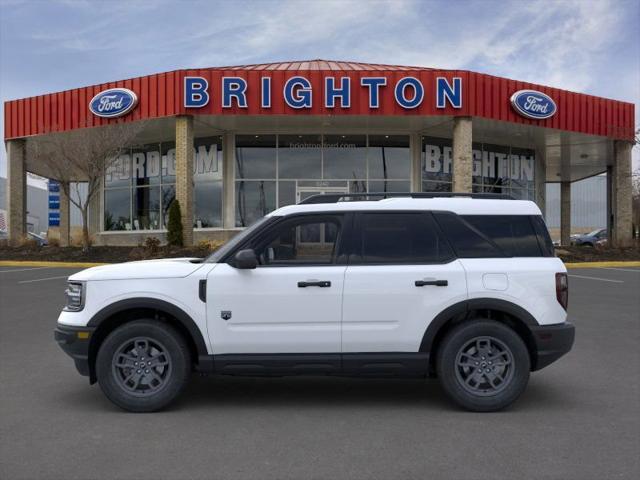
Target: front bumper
552, 342
75, 343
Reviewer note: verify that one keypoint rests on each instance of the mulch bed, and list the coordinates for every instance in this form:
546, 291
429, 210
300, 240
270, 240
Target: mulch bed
590, 254
97, 254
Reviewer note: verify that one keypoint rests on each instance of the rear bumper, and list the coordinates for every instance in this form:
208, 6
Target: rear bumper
552, 342
74, 341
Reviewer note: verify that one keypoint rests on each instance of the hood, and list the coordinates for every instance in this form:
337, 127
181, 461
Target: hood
163, 268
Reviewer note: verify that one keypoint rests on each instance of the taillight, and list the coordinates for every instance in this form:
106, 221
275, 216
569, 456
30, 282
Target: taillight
562, 289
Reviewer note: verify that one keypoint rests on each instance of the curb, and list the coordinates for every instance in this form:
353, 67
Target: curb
602, 264
29, 263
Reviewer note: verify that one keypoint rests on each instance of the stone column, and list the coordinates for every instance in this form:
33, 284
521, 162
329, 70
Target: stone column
16, 191
184, 174
415, 147
565, 213
228, 180
462, 154
65, 215
621, 234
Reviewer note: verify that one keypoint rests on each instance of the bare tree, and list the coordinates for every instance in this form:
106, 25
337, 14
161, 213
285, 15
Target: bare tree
82, 156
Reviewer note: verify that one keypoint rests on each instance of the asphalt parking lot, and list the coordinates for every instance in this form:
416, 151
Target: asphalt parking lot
578, 419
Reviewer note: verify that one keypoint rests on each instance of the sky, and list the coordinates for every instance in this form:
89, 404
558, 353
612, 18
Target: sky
589, 46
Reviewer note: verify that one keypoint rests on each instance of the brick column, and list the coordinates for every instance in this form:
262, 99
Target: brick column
462, 154
415, 147
65, 215
16, 191
184, 174
228, 180
565, 213
621, 234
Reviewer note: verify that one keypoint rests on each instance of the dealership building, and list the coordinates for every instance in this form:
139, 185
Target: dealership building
234, 143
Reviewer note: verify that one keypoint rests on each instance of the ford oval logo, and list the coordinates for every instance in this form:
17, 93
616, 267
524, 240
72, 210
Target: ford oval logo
533, 104
114, 102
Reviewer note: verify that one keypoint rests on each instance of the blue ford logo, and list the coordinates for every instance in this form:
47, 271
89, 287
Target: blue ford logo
114, 102
533, 104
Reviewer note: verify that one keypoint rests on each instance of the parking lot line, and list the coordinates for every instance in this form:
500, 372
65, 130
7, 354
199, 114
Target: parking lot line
597, 278
43, 279
23, 269
637, 270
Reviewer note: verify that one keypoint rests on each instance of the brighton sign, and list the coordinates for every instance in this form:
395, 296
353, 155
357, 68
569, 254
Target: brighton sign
533, 104
113, 103
298, 93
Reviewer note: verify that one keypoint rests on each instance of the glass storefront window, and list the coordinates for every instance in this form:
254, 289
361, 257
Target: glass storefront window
149, 172
117, 209
254, 199
389, 157
255, 156
345, 157
300, 156
146, 208
496, 168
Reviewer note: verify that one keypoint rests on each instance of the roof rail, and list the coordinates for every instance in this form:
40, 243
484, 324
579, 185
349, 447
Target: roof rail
346, 197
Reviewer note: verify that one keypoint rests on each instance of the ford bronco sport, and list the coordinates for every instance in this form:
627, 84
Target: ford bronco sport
462, 287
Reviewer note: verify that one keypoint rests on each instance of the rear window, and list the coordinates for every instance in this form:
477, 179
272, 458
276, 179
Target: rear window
513, 234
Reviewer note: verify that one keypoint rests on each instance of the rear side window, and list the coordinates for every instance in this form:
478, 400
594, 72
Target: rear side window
544, 239
400, 238
513, 234
467, 241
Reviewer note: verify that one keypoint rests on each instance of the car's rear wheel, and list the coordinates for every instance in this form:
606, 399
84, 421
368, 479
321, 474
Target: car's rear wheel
143, 365
483, 365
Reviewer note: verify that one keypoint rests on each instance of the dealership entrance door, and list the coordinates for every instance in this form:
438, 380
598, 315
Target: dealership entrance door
306, 192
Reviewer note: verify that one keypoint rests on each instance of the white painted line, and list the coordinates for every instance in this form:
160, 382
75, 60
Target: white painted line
43, 279
23, 269
598, 278
637, 270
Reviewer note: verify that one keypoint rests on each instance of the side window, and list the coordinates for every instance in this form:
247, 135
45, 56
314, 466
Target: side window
544, 239
400, 238
513, 234
308, 240
466, 241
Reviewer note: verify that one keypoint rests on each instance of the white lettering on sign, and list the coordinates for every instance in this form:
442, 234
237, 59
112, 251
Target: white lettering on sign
488, 164
108, 104
533, 104
151, 164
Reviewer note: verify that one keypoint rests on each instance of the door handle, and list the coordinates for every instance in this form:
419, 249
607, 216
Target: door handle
314, 283
437, 283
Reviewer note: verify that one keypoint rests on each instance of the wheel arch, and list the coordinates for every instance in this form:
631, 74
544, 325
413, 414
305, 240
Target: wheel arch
123, 311
503, 311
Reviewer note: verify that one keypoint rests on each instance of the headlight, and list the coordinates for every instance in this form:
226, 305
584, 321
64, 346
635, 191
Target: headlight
75, 296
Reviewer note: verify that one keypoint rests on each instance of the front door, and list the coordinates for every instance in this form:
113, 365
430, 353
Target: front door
292, 302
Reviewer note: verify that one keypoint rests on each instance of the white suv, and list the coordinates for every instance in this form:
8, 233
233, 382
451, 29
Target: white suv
463, 288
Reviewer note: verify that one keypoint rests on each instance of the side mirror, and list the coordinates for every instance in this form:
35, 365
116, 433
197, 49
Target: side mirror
245, 259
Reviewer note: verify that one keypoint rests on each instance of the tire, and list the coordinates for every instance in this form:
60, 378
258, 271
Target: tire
489, 346
143, 365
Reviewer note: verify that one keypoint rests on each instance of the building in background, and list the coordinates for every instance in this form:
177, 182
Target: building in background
234, 143
36, 209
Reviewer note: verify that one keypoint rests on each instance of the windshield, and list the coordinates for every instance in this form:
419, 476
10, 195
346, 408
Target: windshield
239, 238
594, 233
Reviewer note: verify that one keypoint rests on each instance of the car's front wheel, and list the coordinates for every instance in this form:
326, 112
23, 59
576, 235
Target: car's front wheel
143, 365
483, 365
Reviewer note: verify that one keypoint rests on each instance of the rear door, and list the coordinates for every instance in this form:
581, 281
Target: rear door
401, 274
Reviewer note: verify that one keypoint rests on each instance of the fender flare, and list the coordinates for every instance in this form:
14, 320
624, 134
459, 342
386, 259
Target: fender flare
461, 308
155, 304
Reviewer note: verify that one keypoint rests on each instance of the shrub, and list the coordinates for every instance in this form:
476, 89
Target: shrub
152, 245
174, 226
209, 245
54, 242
